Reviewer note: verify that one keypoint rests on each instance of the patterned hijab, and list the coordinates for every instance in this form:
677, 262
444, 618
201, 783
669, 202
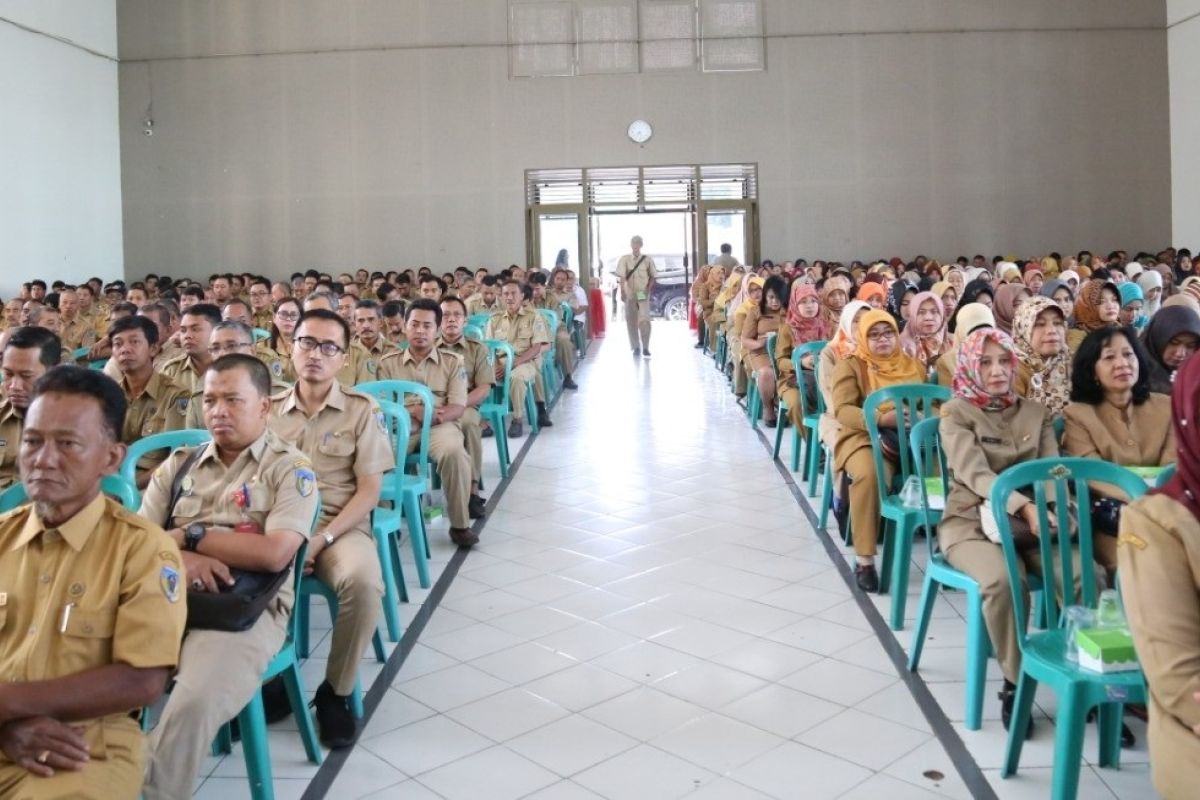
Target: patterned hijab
1049, 378
805, 329
832, 284
925, 349
968, 381
1087, 304
882, 371
843, 339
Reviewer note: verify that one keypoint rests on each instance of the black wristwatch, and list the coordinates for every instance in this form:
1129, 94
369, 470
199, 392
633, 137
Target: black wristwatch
192, 535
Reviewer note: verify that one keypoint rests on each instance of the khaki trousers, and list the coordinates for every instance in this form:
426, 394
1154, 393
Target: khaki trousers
448, 453
637, 321
864, 499
117, 776
351, 568
565, 351
984, 561
519, 387
218, 674
471, 425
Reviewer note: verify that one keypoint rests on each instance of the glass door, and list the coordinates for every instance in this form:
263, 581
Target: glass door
729, 226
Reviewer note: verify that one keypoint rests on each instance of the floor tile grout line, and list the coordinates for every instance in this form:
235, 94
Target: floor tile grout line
335, 760
968, 769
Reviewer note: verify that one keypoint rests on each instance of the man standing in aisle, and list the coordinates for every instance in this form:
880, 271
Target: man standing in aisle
636, 274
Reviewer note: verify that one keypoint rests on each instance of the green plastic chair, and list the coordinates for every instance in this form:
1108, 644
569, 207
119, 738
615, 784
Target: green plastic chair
115, 486
1043, 653
721, 352
167, 440
252, 720
926, 446
495, 408
550, 377
480, 320
913, 402
474, 332
411, 488
578, 337
810, 417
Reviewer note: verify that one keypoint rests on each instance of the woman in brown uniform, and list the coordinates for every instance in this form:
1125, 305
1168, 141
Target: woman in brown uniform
877, 362
804, 325
840, 347
276, 352
1159, 556
746, 299
985, 429
1043, 363
1114, 416
971, 318
1097, 305
762, 320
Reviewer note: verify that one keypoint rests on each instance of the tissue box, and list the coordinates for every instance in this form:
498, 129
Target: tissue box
933, 491
1106, 650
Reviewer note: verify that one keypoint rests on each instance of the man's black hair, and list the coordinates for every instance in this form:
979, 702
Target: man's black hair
143, 324
47, 342
332, 316
259, 375
424, 304
84, 382
207, 310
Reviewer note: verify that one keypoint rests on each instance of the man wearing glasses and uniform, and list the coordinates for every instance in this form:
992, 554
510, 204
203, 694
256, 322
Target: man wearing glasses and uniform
342, 432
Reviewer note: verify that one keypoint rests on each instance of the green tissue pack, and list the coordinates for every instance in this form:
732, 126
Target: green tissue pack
1106, 650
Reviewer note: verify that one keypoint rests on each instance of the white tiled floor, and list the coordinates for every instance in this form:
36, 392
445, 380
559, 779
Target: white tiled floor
650, 615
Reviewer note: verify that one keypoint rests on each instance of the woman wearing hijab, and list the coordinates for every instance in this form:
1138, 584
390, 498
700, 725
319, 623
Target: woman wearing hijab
924, 337
873, 294
1043, 361
1034, 280
985, 429
1071, 278
702, 302
1133, 301
943, 291
1060, 293
1170, 339
710, 307
746, 299
1168, 279
877, 362
957, 279
835, 293
804, 325
899, 297
1008, 298
971, 318
1097, 306
977, 291
761, 321
840, 347
1159, 559
1151, 284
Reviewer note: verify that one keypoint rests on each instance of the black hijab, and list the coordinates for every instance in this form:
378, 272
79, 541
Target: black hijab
971, 294
1165, 325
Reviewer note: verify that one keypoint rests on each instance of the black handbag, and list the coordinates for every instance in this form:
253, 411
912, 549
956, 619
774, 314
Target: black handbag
1106, 515
238, 606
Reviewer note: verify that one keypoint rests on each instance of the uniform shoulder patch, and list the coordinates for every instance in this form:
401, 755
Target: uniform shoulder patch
181, 405
168, 580
306, 480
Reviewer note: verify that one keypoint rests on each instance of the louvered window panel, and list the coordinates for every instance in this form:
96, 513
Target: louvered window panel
666, 184
619, 185
608, 33
732, 35
542, 38
668, 32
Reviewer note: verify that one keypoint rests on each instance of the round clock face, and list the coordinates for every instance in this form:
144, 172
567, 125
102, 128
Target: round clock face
640, 131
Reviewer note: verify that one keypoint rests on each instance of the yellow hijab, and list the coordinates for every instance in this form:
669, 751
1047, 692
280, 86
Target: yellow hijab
895, 369
750, 302
727, 291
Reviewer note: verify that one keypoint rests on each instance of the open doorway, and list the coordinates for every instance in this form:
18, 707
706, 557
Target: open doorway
667, 238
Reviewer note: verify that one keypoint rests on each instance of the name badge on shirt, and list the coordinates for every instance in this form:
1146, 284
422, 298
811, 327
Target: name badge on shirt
990, 440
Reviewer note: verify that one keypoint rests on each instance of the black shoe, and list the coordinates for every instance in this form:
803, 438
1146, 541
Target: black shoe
867, 577
697, 346
464, 537
544, 420
646, 353
335, 720
568, 383
1008, 698
516, 430
770, 423
1128, 740
276, 705
477, 507
487, 433
637, 351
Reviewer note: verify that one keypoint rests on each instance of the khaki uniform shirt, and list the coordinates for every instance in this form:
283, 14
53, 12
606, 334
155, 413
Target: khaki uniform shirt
182, 369
162, 406
1100, 431
263, 319
11, 424
345, 439
441, 370
1158, 553
76, 333
522, 331
277, 361
637, 279
370, 364
475, 361
105, 587
979, 445
276, 479
475, 305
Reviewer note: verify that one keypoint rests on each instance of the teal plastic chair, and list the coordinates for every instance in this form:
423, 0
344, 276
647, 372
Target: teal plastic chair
167, 440
926, 446
495, 408
309, 586
480, 320
116, 487
913, 403
252, 721
80, 353
719, 355
810, 417
474, 332
411, 487
550, 376
1043, 653
578, 337
385, 520
260, 334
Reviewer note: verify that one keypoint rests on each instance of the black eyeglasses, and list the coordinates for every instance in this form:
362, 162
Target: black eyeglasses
328, 349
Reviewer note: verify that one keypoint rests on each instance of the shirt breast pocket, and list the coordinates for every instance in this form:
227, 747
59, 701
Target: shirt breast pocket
98, 623
187, 509
336, 447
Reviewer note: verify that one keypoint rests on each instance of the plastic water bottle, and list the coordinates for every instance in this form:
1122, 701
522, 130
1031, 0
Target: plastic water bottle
910, 494
1109, 613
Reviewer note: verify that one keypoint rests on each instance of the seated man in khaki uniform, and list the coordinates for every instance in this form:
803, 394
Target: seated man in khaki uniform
487, 298
443, 373
518, 326
480, 379
368, 332
261, 303
247, 501
354, 370
342, 432
92, 600
156, 403
28, 354
76, 331
551, 299
195, 328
